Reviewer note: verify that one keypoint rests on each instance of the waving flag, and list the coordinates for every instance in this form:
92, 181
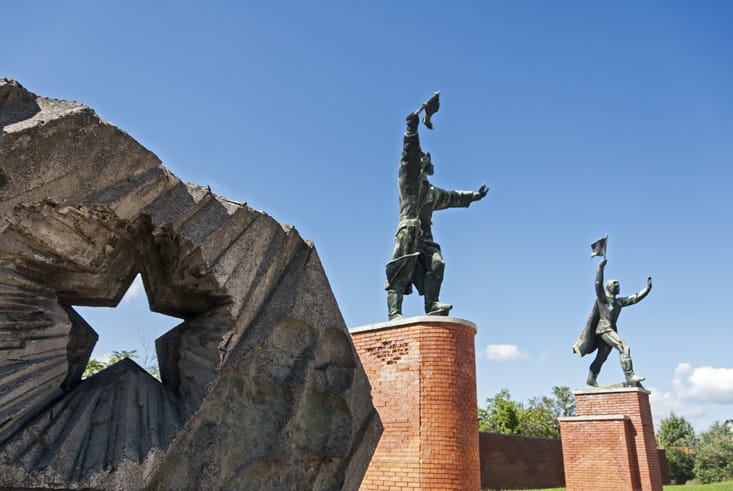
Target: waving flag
598, 247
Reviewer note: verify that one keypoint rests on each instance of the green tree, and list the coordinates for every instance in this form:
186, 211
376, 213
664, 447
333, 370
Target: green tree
95, 365
564, 401
714, 458
538, 419
675, 431
677, 437
121, 355
501, 414
681, 463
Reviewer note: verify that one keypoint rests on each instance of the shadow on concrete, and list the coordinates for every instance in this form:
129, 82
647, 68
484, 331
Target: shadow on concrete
15, 105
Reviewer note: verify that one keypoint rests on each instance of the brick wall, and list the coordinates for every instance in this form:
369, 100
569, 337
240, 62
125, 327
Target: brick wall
423, 376
663, 466
520, 462
612, 438
597, 453
633, 402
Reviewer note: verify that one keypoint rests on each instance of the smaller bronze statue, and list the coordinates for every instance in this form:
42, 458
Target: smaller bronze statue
417, 259
601, 332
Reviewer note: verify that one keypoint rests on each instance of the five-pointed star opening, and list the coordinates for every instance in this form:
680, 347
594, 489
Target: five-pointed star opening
129, 329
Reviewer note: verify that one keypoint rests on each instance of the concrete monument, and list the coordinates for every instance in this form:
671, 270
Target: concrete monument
261, 386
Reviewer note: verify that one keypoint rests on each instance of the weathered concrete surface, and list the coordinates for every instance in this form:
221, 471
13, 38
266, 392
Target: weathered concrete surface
262, 388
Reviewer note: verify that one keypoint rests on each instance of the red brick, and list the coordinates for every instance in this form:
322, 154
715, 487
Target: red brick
426, 397
610, 444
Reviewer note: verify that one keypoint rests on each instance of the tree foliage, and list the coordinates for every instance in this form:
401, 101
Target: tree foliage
537, 421
95, 366
501, 414
677, 437
681, 464
539, 418
675, 431
714, 457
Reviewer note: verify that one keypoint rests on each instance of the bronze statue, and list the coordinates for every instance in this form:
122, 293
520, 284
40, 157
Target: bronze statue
417, 258
601, 331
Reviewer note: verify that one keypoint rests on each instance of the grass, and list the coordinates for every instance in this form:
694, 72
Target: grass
718, 486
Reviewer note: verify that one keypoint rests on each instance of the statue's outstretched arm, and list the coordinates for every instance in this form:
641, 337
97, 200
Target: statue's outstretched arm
442, 199
600, 292
482, 191
637, 297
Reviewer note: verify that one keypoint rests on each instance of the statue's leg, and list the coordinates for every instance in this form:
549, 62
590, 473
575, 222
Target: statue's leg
595, 368
433, 281
400, 269
612, 338
394, 304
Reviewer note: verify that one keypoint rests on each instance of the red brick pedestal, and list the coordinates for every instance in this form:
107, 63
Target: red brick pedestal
423, 376
610, 444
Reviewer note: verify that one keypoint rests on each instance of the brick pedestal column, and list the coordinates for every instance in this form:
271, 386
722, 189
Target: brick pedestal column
610, 444
423, 376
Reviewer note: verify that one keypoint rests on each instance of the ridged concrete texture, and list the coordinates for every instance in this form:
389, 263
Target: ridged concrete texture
261, 386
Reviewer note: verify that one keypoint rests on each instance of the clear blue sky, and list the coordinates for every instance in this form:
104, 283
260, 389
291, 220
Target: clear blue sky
584, 118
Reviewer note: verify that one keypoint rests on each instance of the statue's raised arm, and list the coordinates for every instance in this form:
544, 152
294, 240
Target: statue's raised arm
638, 297
600, 292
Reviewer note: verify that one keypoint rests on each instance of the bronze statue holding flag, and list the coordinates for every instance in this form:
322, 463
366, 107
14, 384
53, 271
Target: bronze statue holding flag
601, 332
417, 259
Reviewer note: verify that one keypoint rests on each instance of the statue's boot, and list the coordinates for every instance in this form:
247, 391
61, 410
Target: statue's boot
431, 291
591, 380
438, 308
632, 380
394, 305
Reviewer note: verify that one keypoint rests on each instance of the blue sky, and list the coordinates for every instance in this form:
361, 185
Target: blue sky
584, 118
